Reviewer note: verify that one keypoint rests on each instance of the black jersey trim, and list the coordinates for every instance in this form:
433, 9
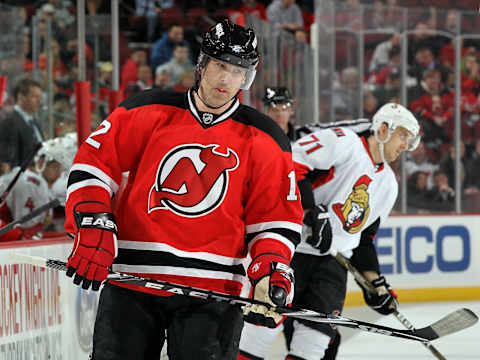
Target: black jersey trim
215, 119
79, 175
155, 97
251, 117
288, 234
365, 255
162, 258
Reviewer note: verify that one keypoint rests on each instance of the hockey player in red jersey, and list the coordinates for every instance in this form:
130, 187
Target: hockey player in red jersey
210, 182
347, 190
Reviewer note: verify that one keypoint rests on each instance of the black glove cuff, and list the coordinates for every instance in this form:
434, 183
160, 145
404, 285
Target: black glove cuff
102, 220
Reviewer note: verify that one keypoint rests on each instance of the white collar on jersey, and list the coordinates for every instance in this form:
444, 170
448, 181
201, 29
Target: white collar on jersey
209, 119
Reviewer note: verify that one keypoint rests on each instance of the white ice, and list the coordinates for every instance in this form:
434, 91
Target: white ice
360, 345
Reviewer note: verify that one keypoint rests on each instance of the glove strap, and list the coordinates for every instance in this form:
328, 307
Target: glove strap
96, 220
380, 282
285, 270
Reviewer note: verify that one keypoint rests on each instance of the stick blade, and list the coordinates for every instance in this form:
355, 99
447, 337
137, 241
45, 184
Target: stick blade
456, 321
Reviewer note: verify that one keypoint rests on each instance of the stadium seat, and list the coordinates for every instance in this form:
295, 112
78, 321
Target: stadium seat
172, 16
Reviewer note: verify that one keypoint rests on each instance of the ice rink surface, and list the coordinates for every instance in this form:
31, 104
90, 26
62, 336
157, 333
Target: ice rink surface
360, 345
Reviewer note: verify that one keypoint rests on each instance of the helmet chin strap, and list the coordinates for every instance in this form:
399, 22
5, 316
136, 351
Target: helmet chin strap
381, 144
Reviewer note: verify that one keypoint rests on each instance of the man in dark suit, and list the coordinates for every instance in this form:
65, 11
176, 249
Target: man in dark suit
19, 131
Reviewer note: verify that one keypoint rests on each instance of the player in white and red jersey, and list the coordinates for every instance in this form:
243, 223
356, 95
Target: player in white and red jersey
210, 182
33, 189
347, 190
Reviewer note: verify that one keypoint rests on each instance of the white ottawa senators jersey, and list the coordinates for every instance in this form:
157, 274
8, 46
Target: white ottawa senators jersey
345, 179
203, 190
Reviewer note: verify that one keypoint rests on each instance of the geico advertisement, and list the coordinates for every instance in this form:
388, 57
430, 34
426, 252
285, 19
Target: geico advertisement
430, 251
42, 314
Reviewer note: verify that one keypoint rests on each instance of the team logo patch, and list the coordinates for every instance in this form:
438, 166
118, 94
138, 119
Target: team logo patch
354, 212
192, 180
207, 118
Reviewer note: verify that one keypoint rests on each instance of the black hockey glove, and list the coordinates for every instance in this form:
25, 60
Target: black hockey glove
385, 300
318, 220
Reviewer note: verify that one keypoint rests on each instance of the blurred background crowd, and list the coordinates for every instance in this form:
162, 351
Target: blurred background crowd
369, 52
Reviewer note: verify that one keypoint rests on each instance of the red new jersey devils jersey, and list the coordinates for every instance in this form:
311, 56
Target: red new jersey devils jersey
203, 190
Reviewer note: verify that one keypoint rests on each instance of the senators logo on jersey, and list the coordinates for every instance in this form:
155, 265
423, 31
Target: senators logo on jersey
192, 179
354, 212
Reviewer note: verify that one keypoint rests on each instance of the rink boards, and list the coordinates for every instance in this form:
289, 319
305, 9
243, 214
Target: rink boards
43, 315
428, 258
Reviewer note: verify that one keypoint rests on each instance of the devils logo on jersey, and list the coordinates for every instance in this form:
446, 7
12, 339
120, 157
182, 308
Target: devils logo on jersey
354, 212
192, 179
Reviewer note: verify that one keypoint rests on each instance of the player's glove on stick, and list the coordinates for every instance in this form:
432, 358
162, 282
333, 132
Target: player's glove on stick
272, 282
318, 220
95, 244
385, 300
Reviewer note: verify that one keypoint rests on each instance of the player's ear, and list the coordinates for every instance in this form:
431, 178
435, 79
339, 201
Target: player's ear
382, 131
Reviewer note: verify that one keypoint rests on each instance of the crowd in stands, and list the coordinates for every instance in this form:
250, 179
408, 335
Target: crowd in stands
159, 43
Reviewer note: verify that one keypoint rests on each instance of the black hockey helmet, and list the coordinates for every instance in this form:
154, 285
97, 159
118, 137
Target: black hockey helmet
277, 96
232, 44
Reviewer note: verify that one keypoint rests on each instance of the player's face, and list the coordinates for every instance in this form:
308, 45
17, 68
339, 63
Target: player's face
52, 171
220, 82
397, 144
280, 114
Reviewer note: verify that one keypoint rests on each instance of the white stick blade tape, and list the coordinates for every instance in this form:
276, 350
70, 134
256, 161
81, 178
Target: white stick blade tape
29, 259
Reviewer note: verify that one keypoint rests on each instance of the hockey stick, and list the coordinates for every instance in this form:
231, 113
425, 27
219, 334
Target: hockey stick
30, 216
367, 285
23, 167
456, 321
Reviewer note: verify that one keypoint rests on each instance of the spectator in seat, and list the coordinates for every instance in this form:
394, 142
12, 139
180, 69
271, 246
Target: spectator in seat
162, 79
187, 80
390, 90
178, 64
433, 104
441, 195
370, 104
394, 61
452, 26
447, 164
470, 73
418, 160
162, 50
345, 97
129, 70
472, 181
235, 13
144, 81
255, 8
150, 9
425, 60
418, 196
381, 55
285, 14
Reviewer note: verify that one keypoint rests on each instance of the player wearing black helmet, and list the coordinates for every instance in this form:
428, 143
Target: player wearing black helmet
227, 63
279, 105
210, 183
